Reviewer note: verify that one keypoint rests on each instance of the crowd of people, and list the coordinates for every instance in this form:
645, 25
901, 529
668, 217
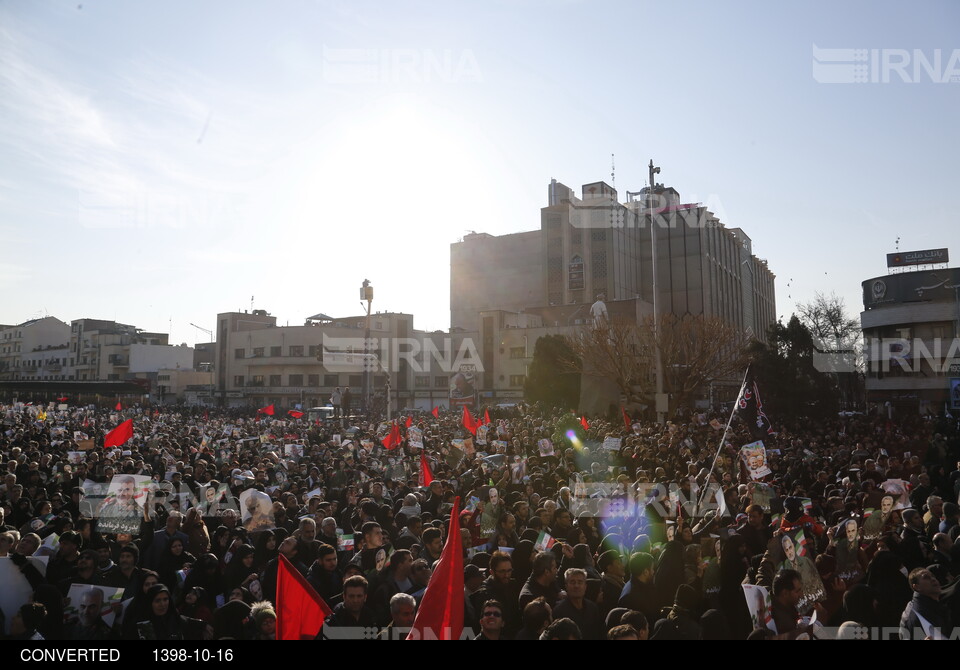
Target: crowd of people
571, 528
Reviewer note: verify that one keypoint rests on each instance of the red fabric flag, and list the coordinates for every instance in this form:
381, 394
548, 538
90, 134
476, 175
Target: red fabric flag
583, 422
86, 422
486, 417
426, 476
300, 610
393, 440
468, 421
295, 414
440, 616
626, 418
63, 399
268, 410
409, 421
119, 435
119, 406
436, 412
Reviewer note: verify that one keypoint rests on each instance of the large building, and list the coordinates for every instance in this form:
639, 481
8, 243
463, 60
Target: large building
111, 351
35, 350
911, 330
597, 245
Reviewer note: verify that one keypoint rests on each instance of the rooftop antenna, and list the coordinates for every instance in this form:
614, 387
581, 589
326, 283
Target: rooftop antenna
898, 244
613, 171
251, 304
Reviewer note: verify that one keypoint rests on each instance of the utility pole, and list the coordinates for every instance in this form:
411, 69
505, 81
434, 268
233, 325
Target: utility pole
661, 403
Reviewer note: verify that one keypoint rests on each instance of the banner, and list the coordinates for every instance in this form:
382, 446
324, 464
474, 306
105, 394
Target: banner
415, 437
81, 596
760, 606
463, 392
126, 504
256, 510
790, 553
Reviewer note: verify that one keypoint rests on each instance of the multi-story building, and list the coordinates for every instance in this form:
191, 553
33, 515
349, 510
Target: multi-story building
911, 330
259, 363
35, 350
111, 351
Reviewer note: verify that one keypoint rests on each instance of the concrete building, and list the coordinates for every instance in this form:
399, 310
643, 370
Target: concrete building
173, 384
911, 330
35, 350
260, 363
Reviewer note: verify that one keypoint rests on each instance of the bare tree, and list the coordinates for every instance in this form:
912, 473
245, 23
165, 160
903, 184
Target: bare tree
694, 350
839, 342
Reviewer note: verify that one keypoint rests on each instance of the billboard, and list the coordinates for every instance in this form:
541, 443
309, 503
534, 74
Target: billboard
924, 257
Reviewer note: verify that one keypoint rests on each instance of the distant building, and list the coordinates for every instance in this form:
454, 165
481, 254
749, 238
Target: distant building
35, 350
911, 330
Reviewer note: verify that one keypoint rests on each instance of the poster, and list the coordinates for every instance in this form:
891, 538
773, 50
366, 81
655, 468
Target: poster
125, 505
83, 595
611, 444
256, 511
760, 606
754, 458
789, 552
463, 390
546, 447
76, 457
415, 437
294, 451
482, 434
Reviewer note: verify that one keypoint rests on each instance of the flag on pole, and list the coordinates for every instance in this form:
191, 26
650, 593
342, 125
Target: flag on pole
295, 414
626, 418
119, 406
119, 435
393, 440
440, 616
583, 422
426, 477
436, 412
268, 410
486, 417
300, 610
750, 409
63, 399
468, 421
409, 421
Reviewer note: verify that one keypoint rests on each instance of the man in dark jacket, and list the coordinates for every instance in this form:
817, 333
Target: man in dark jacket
324, 576
542, 582
639, 594
502, 587
351, 619
269, 577
925, 617
577, 608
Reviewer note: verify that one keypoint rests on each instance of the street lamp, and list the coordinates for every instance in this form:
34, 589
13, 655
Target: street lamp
660, 403
366, 294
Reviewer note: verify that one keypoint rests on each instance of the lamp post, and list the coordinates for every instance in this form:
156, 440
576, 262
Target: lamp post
366, 294
658, 361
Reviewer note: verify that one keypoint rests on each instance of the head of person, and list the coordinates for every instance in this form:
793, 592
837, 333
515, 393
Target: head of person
501, 567
537, 615
159, 598
575, 581
924, 582
372, 535
788, 587
641, 566
491, 618
622, 632
544, 566
403, 610
561, 629
308, 530
432, 541
637, 621
355, 594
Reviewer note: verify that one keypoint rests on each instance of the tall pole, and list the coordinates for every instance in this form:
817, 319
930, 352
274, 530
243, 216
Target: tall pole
658, 362
366, 293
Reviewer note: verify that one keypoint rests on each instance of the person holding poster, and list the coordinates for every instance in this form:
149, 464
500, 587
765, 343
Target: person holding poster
754, 457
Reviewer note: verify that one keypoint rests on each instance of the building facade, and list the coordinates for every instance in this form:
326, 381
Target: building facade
911, 330
35, 350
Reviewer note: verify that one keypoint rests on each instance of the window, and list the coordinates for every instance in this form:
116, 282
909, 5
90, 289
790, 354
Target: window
422, 382
275, 351
296, 380
275, 380
256, 380
355, 381
331, 380
258, 352
441, 382
313, 350
516, 380
237, 380
313, 380
237, 353
296, 350
517, 352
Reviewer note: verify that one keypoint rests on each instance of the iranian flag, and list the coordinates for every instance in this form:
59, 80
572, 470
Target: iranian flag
544, 541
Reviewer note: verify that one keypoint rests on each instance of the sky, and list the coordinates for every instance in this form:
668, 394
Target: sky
161, 162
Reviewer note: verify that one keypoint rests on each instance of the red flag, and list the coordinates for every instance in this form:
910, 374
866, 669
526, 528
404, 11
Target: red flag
468, 421
86, 422
409, 421
300, 610
486, 417
583, 422
119, 435
295, 414
63, 399
119, 406
436, 412
393, 440
426, 477
626, 418
268, 410
440, 616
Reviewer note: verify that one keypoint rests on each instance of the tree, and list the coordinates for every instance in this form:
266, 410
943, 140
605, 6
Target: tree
792, 386
549, 378
694, 350
839, 343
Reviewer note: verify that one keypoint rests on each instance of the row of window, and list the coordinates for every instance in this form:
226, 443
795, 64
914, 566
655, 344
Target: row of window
294, 350
329, 381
